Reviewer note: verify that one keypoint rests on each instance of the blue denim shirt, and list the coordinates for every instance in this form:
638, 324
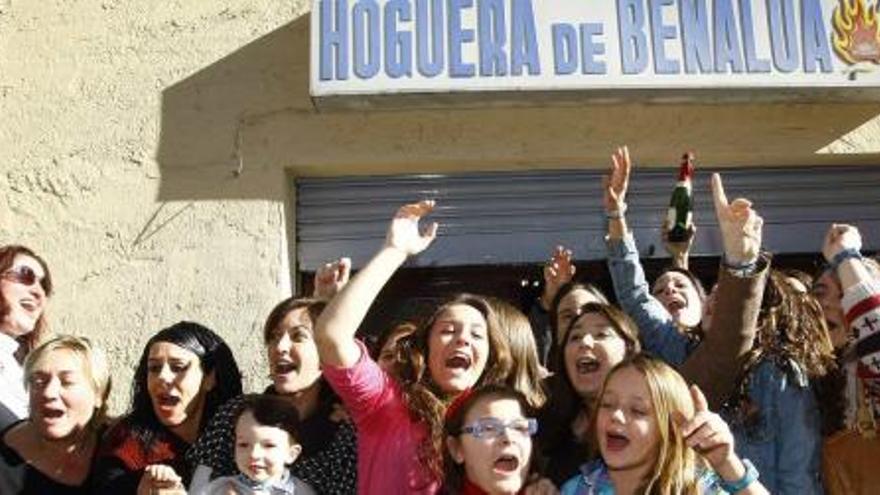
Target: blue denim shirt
785, 444
657, 331
593, 479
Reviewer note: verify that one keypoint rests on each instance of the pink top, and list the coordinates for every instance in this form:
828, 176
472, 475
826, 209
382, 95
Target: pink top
388, 440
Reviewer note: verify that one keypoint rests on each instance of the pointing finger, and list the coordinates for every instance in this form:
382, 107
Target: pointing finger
700, 403
718, 194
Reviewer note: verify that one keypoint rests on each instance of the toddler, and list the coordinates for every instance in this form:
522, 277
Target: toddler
265, 446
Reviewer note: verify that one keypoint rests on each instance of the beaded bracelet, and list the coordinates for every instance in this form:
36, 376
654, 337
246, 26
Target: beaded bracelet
747, 479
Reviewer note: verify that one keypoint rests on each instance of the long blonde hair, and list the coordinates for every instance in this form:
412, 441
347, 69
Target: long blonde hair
676, 468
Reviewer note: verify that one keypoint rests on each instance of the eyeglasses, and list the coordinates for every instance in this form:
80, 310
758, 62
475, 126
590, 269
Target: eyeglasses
23, 275
494, 427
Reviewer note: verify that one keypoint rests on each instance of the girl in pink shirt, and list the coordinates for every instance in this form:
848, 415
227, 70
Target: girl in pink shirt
399, 414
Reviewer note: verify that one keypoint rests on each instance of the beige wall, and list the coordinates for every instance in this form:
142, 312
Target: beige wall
147, 148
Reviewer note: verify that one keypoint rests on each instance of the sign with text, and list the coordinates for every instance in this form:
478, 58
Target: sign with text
368, 47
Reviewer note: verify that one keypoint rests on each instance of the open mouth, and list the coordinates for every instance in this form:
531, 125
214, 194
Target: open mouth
286, 367
28, 305
506, 463
675, 305
616, 442
165, 400
587, 364
52, 413
458, 361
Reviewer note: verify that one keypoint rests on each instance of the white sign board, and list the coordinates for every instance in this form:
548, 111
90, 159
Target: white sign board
374, 47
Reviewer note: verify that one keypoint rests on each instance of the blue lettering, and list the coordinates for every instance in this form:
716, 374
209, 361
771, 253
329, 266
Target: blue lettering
334, 40
398, 45
633, 44
365, 21
727, 49
695, 36
783, 34
430, 50
592, 48
816, 47
753, 63
659, 34
490, 30
523, 39
458, 37
564, 49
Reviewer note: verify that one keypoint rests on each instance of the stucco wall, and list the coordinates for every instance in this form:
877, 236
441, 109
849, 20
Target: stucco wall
81, 86
146, 150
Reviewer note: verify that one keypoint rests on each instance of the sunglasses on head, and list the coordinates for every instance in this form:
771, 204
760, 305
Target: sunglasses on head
23, 275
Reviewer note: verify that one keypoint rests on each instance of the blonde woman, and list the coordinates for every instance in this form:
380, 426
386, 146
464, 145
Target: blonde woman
658, 437
68, 382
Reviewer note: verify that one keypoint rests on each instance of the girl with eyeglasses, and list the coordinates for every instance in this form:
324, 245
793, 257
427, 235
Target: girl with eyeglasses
488, 442
25, 286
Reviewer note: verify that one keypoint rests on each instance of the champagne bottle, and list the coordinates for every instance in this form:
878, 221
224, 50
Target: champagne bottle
679, 216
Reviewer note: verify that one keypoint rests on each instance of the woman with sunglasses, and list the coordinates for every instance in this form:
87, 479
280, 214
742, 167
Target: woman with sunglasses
25, 286
488, 435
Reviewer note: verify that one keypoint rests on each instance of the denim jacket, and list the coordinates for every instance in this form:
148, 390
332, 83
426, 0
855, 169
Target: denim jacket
785, 444
783, 439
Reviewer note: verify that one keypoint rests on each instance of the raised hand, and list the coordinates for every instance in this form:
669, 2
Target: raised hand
616, 182
678, 250
839, 237
331, 277
159, 478
740, 226
710, 437
403, 233
557, 272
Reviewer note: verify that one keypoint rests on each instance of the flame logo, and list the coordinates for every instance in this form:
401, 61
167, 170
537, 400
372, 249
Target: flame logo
856, 35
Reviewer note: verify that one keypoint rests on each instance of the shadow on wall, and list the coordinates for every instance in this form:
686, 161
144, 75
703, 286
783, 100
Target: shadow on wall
234, 129
204, 118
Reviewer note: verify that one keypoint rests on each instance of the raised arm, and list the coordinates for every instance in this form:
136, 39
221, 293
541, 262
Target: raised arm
331, 277
615, 186
657, 330
861, 305
732, 318
335, 329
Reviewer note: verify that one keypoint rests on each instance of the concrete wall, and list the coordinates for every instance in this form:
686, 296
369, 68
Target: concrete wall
148, 146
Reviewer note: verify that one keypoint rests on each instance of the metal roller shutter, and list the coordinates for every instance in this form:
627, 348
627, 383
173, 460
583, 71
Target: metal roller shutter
517, 217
